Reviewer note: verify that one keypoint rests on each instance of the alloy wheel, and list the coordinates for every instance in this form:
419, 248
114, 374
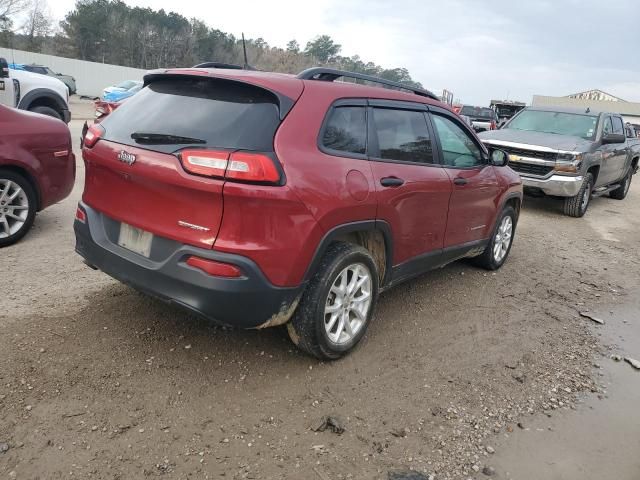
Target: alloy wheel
348, 303
14, 208
503, 239
586, 196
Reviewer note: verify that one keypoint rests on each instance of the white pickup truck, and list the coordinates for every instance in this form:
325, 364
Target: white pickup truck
33, 92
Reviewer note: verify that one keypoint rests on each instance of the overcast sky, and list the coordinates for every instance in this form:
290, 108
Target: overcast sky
477, 49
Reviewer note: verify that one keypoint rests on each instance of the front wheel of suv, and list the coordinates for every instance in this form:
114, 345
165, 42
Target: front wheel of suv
497, 251
577, 206
337, 305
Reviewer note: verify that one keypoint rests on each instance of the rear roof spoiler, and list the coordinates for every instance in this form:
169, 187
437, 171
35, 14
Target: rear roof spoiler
285, 103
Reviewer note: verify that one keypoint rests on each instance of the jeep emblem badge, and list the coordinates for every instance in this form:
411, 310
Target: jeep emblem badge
126, 157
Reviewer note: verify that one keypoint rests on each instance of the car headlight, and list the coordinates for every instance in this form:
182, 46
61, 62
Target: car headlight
568, 162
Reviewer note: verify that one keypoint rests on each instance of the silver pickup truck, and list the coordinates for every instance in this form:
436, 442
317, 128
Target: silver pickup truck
575, 154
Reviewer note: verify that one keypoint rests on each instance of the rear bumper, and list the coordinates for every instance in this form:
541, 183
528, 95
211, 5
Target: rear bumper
556, 185
247, 302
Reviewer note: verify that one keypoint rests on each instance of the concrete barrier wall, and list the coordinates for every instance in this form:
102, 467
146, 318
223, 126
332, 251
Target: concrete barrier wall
91, 77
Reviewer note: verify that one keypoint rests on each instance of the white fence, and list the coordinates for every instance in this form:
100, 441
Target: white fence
91, 77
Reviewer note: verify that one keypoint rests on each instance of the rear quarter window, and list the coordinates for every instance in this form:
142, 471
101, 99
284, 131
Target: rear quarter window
346, 130
221, 113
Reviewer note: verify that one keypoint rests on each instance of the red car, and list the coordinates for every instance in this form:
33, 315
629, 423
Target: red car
258, 199
37, 169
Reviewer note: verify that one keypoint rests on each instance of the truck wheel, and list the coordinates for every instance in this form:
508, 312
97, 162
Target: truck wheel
577, 206
50, 112
18, 207
621, 192
337, 305
499, 247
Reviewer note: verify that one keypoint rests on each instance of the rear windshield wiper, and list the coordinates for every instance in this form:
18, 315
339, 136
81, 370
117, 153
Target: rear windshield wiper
163, 138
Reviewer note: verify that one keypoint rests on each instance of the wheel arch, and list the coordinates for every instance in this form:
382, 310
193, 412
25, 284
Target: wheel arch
595, 171
513, 199
374, 235
43, 97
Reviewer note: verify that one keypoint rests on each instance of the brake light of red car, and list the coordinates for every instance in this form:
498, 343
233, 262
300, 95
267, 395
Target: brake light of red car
94, 133
252, 167
211, 163
242, 166
81, 216
214, 268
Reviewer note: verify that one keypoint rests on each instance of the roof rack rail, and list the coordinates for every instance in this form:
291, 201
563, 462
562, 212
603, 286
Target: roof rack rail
330, 74
219, 65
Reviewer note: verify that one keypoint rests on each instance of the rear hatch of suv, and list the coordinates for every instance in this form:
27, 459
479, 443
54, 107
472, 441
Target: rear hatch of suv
160, 161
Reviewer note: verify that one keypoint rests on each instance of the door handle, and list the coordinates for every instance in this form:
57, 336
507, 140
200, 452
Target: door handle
460, 181
391, 182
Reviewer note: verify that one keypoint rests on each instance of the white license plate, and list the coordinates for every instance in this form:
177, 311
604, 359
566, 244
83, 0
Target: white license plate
135, 239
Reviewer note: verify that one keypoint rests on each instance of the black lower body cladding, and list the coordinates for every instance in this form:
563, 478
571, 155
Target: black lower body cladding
247, 302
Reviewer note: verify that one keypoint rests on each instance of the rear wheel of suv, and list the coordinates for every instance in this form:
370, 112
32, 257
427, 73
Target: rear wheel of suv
621, 192
17, 207
577, 206
499, 247
338, 304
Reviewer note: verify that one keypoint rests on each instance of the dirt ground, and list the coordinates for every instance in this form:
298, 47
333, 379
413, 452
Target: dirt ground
99, 381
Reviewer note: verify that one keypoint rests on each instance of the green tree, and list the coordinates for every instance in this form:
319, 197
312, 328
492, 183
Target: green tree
322, 48
293, 46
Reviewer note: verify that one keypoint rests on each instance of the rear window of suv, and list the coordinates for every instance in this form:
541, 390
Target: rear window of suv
477, 112
212, 112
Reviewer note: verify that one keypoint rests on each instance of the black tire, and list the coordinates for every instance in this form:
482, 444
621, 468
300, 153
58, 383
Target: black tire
30, 194
488, 259
577, 206
621, 192
307, 327
50, 112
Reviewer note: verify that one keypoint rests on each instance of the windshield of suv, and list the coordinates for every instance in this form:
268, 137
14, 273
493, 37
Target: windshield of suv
477, 112
213, 112
559, 123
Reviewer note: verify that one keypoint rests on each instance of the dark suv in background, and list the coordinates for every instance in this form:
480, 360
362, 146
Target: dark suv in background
259, 199
481, 118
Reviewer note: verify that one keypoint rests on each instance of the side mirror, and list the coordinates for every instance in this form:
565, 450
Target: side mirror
608, 138
499, 158
4, 68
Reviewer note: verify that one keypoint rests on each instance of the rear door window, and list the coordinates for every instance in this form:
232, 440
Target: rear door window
196, 111
346, 130
402, 135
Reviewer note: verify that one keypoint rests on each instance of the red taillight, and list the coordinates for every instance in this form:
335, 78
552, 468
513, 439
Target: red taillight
81, 216
205, 162
252, 167
93, 135
243, 166
214, 268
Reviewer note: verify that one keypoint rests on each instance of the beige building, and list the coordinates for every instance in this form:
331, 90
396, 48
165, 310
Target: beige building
596, 100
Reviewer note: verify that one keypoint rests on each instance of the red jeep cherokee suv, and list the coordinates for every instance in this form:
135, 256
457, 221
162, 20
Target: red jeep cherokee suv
258, 199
